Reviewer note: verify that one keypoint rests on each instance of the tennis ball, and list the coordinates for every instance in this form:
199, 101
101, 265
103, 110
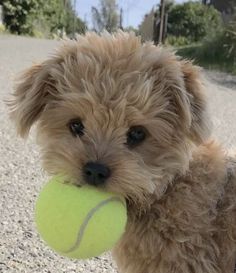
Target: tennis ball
79, 222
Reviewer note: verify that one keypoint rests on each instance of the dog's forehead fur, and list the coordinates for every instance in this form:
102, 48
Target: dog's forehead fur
117, 75
115, 68
116, 80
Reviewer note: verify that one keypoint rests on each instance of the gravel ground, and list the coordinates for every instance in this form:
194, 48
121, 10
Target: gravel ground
21, 176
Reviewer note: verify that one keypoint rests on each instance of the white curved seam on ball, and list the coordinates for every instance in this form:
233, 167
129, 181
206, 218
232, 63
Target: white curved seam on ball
87, 219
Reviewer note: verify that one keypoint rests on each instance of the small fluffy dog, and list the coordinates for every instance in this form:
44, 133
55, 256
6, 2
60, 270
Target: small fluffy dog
131, 118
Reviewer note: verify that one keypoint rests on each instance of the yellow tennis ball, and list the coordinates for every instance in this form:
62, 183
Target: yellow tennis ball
79, 222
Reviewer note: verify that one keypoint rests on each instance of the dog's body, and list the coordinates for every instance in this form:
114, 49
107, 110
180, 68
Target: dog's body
191, 229
132, 119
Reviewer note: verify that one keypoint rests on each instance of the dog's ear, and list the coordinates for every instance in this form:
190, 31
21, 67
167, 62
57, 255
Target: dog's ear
200, 126
31, 95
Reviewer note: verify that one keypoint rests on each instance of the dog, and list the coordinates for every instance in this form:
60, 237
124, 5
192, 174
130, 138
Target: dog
132, 118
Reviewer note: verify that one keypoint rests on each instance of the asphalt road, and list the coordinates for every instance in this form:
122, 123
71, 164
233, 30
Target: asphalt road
21, 176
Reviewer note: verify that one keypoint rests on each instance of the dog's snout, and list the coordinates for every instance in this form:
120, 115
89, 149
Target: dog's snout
95, 173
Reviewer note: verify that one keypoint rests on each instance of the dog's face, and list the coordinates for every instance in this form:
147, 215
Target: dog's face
113, 113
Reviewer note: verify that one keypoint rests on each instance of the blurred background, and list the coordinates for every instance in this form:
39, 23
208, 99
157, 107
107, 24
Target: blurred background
203, 30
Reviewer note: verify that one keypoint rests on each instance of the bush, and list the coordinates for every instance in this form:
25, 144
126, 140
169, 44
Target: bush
16, 13
40, 18
221, 46
216, 51
177, 41
229, 40
193, 20
2, 28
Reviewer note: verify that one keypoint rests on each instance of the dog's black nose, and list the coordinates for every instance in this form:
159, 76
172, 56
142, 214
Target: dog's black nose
95, 173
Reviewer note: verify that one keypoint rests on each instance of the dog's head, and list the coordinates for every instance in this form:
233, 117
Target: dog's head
114, 113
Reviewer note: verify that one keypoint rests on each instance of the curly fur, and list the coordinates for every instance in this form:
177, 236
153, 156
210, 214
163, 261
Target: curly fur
180, 187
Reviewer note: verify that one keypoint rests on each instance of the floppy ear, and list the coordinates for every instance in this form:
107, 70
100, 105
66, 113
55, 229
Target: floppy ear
30, 97
200, 125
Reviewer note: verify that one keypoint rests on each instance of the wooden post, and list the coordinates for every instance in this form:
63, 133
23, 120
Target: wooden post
162, 15
121, 19
74, 20
155, 29
1, 15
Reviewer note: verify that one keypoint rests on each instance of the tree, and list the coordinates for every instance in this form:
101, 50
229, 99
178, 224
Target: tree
43, 18
193, 20
60, 15
16, 13
106, 17
73, 23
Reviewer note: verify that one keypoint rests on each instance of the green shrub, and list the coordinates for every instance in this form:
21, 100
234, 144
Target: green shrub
177, 41
229, 39
220, 47
193, 20
16, 13
216, 51
2, 28
41, 18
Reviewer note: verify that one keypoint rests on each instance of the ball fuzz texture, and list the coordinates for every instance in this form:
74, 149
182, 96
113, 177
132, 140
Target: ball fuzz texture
79, 222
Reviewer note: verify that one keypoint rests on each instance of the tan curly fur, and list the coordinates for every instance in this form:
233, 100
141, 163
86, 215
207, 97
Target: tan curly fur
179, 186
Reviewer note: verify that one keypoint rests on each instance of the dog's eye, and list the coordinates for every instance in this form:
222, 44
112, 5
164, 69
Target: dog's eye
76, 127
136, 135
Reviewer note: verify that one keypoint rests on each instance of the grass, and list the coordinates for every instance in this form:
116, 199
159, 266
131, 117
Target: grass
214, 52
207, 59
